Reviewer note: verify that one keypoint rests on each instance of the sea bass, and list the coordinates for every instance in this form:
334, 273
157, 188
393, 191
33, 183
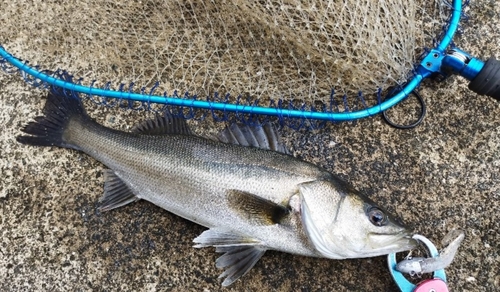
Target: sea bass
244, 187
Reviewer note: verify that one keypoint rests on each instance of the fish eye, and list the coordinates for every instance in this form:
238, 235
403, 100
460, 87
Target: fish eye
377, 217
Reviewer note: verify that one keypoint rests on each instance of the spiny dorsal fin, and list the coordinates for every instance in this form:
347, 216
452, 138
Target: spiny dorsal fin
263, 137
163, 125
240, 253
255, 208
116, 192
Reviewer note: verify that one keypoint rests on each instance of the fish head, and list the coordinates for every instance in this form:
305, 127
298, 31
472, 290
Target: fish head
340, 222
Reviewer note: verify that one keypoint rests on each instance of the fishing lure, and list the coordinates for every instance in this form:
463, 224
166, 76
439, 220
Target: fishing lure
435, 265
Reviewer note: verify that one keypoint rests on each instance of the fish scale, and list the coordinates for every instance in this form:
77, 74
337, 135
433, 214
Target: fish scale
250, 197
187, 170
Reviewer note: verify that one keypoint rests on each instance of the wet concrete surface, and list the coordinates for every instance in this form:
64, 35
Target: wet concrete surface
442, 175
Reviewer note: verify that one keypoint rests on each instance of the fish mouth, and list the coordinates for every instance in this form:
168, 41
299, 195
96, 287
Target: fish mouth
393, 242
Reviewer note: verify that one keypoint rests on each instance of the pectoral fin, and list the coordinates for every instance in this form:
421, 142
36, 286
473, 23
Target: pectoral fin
116, 192
240, 253
255, 208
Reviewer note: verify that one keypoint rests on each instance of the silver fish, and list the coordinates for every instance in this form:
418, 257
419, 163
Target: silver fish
245, 188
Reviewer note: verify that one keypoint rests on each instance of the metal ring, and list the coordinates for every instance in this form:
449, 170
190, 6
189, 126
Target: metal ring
410, 126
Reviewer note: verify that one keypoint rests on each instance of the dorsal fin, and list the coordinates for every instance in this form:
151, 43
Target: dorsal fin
163, 125
263, 137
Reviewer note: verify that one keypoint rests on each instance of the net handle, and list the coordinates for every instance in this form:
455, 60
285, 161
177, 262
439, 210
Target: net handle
422, 72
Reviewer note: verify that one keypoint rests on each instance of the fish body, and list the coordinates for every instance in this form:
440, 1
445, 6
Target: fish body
244, 187
193, 177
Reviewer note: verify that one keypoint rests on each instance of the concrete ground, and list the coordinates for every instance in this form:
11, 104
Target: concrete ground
442, 175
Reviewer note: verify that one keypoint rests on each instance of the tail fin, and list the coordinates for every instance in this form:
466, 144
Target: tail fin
48, 130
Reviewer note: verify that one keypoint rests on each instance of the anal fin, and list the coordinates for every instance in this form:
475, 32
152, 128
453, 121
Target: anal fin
240, 253
116, 192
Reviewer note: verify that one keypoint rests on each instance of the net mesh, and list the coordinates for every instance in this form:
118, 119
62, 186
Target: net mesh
289, 49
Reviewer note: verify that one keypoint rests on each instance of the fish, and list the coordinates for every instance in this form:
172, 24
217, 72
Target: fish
243, 185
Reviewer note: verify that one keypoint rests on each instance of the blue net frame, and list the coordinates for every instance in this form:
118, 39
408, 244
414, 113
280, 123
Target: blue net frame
246, 110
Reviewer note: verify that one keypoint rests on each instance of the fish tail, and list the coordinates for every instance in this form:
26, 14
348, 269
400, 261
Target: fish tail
48, 130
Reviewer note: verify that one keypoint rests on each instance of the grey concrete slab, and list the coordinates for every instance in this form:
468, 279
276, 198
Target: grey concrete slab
442, 175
